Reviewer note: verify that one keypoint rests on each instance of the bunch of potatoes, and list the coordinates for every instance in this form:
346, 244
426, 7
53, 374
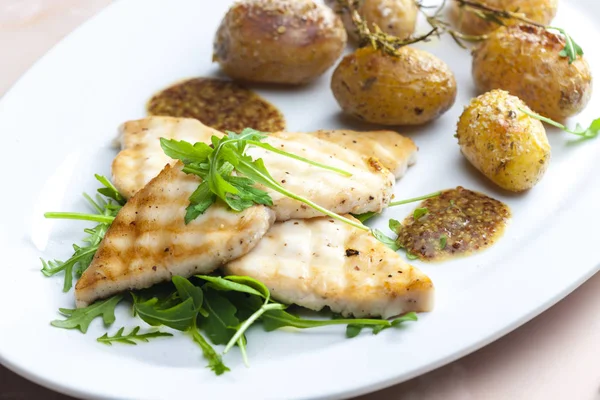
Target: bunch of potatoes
293, 42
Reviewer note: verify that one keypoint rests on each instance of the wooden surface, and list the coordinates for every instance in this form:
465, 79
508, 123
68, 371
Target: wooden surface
555, 356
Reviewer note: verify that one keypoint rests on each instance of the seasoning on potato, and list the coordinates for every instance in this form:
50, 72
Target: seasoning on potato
506, 144
395, 17
469, 21
278, 41
526, 61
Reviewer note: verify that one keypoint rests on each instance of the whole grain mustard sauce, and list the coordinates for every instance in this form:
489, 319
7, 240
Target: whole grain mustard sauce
457, 222
221, 104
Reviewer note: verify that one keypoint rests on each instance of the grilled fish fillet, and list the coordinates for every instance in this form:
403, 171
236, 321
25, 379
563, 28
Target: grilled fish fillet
320, 262
368, 189
148, 242
394, 151
141, 158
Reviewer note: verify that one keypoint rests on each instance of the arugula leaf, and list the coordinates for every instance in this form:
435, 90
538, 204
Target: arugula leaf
275, 319
179, 317
225, 156
245, 304
443, 242
354, 330
187, 290
247, 195
411, 316
131, 337
388, 241
243, 284
365, 216
571, 49
221, 321
185, 151
585, 133
109, 190
82, 256
419, 212
395, 225
200, 200
253, 283
81, 318
411, 256
215, 363
183, 316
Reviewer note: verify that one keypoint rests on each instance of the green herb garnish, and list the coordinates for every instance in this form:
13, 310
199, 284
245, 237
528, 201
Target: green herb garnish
131, 337
419, 212
424, 197
81, 318
222, 307
354, 330
571, 49
443, 242
586, 133
106, 206
215, 166
395, 225
215, 362
365, 216
388, 241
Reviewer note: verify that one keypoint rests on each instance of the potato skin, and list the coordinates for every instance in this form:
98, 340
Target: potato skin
505, 144
542, 11
395, 17
525, 61
278, 41
411, 89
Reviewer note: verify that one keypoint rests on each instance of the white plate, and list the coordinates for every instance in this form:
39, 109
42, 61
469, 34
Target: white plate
57, 124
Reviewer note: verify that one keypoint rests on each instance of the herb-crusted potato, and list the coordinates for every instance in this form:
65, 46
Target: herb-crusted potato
395, 17
409, 89
525, 60
278, 41
504, 143
466, 21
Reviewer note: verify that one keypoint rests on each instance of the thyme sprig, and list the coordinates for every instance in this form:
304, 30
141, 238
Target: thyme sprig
498, 16
374, 36
436, 21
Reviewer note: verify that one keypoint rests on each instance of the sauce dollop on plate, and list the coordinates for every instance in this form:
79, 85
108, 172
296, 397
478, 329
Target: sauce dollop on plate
457, 222
220, 104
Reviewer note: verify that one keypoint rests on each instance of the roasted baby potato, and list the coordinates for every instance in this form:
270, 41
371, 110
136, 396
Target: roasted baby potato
526, 61
504, 143
409, 89
467, 21
395, 17
278, 41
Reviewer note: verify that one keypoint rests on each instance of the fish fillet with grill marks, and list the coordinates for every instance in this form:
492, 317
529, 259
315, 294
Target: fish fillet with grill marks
368, 189
141, 158
320, 262
148, 242
394, 151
